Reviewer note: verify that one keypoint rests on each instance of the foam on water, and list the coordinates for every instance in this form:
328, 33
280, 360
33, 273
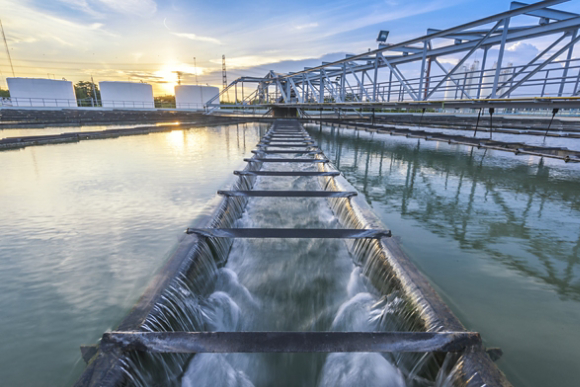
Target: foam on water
360, 369
291, 285
213, 369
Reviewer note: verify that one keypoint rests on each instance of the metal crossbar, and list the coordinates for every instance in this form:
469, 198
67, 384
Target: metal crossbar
261, 160
291, 194
286, 141
288, 151
323, 233
291, 342
286, 173
288, 145
286, 135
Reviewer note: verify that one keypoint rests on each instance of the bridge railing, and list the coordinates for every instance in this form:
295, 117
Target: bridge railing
559, 79
16, 102
436, 67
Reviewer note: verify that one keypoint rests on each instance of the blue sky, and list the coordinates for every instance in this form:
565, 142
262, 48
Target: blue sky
148, 39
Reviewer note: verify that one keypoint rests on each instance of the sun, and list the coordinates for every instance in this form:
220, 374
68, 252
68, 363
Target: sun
168, 76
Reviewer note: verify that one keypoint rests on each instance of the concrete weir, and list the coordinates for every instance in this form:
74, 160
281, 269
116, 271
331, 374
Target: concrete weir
518, 148
26, 141
163, 333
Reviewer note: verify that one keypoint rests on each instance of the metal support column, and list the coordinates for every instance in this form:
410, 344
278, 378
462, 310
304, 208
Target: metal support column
506, 23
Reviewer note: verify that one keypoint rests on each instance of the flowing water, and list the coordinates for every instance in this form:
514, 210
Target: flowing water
83, 227
294, 285
276, 285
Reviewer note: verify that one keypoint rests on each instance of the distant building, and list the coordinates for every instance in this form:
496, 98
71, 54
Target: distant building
126, 95
504, 76
466, 78
40, 92
503, 84
194, 97
472, 80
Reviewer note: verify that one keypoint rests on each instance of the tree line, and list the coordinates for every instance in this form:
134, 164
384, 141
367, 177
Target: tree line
85, 90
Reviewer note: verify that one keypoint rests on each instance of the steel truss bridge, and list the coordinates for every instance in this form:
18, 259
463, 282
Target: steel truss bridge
412, 74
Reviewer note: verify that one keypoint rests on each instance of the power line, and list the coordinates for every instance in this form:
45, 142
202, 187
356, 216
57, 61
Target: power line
7, 50
224, 72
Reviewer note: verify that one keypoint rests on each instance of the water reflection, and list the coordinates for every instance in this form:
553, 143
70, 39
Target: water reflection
482, 201
497, 234
84, 226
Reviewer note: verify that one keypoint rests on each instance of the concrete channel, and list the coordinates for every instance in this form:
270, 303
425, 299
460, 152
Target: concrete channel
156, 325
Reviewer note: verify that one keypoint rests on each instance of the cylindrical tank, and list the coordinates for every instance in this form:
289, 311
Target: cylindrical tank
40, 92
194, 97
126, 95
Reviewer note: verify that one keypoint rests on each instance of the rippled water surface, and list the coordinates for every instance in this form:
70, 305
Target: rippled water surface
52, 130
84, 226
497, 234
82, 229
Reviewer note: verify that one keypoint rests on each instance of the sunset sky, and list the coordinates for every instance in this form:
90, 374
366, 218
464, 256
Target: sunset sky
147, 40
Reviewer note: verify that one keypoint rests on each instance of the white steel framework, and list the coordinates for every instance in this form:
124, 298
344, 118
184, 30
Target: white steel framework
412, 72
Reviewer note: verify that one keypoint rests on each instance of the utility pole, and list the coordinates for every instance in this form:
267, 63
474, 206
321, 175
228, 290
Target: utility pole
179, 74
195, 66
94, 91
224, 76
7, 50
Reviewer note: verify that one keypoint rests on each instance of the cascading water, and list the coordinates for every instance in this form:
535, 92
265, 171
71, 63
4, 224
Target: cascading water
286, 285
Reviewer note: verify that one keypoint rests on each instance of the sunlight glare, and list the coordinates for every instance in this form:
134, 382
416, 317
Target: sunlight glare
168, 75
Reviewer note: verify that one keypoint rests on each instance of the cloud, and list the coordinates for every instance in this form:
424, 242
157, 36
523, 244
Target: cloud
132, 7
62, 41
259, 66
196, 37
28, 24
309, 25
83, 6
100, 8
520, 53
522, 46
191, 36
386, 15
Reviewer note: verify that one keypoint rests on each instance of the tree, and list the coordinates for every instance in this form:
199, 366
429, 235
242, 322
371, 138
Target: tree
84, 90
164, 101
4, 93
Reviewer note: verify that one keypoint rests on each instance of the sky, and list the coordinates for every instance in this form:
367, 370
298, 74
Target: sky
148, 40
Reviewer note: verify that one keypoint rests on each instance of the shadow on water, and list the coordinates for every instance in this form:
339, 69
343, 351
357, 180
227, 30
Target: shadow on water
521, 212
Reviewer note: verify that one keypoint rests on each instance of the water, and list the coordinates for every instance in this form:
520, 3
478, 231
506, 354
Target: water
84, 226
483, 133
497, 234
282, 285
296, 284
277, 285
22, 132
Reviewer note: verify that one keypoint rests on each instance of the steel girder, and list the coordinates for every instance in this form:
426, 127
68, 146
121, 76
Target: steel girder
347, 81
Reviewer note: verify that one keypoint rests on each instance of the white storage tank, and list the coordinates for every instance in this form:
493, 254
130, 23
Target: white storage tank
40, 92
194, 97
126, 95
